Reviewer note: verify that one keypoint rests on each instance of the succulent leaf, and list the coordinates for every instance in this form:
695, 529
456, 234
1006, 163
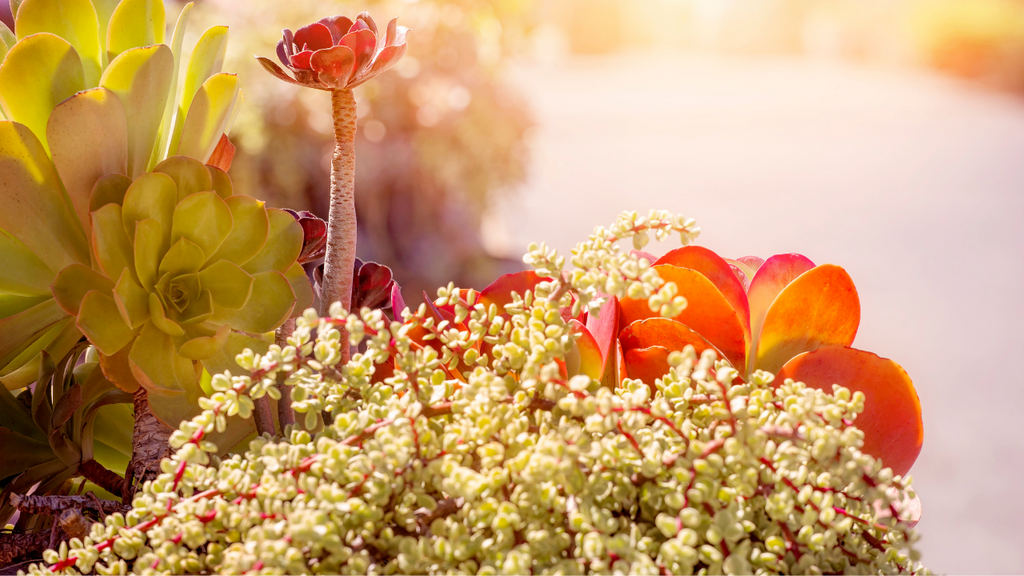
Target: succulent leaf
141, 78
86, 138
111, 247
37, 74
207, 59
134, 24
22, 273
270, 304
189, 175
209, 116
151, 196
249, 233
107, 190
282, 247
74, 282
132, 300
204, 219
819, 308
36, 210
101, 322
73, 20
229, 285
17, 332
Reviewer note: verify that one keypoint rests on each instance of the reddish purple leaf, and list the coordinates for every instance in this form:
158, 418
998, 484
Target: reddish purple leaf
313, 36
301, 60
338, 25
334, 66
371, 285
363, 43
397, 302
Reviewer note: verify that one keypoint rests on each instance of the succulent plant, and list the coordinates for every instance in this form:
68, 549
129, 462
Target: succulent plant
88, 91
337, 53
514, 468
183, 266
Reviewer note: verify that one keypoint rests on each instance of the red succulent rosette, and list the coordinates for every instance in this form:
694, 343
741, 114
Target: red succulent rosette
337, 53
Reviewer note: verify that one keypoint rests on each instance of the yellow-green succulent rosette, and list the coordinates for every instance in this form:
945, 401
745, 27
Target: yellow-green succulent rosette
181, 266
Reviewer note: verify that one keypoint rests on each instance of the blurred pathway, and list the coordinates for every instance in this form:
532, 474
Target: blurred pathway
913, 183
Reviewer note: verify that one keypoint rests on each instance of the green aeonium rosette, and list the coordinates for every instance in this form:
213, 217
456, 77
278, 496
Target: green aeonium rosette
184, 272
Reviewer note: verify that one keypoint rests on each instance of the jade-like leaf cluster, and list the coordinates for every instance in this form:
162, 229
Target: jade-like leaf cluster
475, 453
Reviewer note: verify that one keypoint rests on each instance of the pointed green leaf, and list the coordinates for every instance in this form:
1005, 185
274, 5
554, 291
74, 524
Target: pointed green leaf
101, 322
141, 78
72, 20
18, 332
22, 273
74, 282
11, 304
35, 209
209, 116
221, 182
284, 242
16, 416
169, 124
149, 249
110, 244
184, 257
104, 10
108, 190
88, 135
134, 24
21, 452
158, 317
156, 364
204, 219
229, 285
206, 60
38, 74
299, 281
152, 195
249, 233
189, 174
270, 304
132, 300
204, 347
15, 6
7, 36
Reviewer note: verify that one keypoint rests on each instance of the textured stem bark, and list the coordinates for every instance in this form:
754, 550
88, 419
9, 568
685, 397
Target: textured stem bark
341, 223
54, 505
264, 416
285, 414
100, 476
149, 446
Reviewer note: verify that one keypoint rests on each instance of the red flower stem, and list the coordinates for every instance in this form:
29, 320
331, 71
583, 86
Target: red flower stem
340, 257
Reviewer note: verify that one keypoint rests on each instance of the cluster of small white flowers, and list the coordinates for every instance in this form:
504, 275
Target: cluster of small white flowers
463, 448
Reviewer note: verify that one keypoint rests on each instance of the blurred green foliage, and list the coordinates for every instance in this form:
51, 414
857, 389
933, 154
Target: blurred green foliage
440, 136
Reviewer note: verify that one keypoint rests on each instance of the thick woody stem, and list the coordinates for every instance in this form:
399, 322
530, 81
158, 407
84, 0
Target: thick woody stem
150, 445
341, 223
100, 476
285, 414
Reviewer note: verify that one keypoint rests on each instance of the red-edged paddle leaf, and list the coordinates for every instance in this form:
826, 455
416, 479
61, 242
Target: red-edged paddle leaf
770, 279
891, 421
743, 272
754, 262
313, 36
334, 66
620, 364
716, 269
500, 291
651, 258
708, 312
665, 332
647, 364
591, 359
604, 326
819, 308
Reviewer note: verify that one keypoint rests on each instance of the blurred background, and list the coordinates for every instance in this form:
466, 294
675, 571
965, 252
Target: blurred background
886, 136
